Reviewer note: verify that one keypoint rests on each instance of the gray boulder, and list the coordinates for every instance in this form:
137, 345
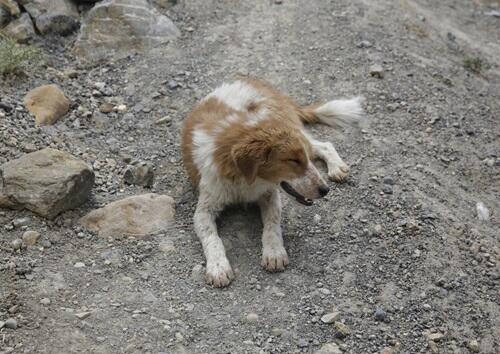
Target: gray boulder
53, 16
4, 17
117, 28
46, 182
21, 29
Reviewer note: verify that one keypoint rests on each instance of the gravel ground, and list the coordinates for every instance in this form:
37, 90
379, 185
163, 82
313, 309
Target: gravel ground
396, 257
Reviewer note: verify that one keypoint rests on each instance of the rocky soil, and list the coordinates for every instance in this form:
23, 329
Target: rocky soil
395, 260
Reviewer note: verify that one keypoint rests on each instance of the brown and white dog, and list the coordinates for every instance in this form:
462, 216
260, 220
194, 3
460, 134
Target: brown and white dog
240, 144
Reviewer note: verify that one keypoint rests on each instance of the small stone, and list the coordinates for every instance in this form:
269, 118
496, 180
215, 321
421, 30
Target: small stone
388, 180
426, 307
380, 314
324, 291
11, 323
106, 107
276, 332
483, 212
20, 222
376, 70
317, 218
278, 2
252, 317
2, 324
387, 189
302, 343
342, 329
45, 301
172, 84
473, 346
141, 174
16, 244
79, 265
364, 44
435, 337
82, 315
165, 119
47, 103
330, 317
166, 246
329, 348
31, 237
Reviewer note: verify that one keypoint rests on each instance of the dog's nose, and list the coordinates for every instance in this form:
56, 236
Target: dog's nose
323, 190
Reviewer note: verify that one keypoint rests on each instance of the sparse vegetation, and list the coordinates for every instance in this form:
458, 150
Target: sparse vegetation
474, 64
15, 58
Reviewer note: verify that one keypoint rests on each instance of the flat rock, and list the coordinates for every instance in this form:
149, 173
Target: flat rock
133, 216
53, 16
21, 29
47, 182
129, 26
47, 103
330, 317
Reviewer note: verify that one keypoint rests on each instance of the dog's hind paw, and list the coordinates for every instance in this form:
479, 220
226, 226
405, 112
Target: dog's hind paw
219, 274
339, 172
274, 259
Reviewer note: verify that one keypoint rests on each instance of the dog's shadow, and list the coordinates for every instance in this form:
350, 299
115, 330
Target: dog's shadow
240, 228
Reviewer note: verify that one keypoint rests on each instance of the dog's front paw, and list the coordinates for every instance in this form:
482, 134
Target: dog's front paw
219, 273
274, 259
339, 172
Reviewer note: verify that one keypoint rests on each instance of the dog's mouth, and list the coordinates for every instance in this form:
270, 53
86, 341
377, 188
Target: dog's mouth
298, 197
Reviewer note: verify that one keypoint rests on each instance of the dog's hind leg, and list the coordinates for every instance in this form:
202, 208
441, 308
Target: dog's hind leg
219, 272
274, 256
337, 168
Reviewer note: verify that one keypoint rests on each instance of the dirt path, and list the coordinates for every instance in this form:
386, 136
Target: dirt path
398, 250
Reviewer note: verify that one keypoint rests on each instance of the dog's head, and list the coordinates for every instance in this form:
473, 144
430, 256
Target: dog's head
282, 157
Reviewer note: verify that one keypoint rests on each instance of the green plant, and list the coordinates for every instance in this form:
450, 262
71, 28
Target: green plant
15, 58
474, 64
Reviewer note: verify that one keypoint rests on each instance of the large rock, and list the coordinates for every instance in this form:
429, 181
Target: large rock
11, 6
133, 216
47, 103
46, 182
21, 29
116, 28
53, 16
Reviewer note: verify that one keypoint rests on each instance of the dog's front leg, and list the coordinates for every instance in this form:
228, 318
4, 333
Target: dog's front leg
274, 256
219, 272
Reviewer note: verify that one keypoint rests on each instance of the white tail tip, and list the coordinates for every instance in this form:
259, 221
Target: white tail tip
346, 112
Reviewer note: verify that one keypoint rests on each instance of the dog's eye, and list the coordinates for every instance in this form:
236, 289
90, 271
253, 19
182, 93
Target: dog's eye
295, 161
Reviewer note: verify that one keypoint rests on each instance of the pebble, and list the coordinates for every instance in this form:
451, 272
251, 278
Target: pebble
324, 291
82, 315
329, 348
31, 237
483, 212
165, 119
303, 343
79, 265
166, 246
376, 70
435, 337
342, 329
387, 189
21, 222
388, 180
11, 323
172, 84
2, 324
364, 44
473, 346
252, 317
16, 244
106, 108
330, 317
121, 108
45, 301
380, 314
276, 332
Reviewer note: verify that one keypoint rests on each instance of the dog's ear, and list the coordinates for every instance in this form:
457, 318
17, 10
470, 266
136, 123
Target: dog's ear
248, 158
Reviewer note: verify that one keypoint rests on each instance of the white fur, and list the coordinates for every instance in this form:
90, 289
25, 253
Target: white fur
346, 112
337, 168
237, 95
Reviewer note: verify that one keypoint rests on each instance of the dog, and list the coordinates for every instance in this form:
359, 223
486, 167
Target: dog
241, 144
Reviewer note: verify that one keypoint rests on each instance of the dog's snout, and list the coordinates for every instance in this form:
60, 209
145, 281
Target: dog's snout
323, 190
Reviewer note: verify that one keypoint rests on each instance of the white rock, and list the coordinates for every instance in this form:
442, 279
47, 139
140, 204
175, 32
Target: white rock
483, 212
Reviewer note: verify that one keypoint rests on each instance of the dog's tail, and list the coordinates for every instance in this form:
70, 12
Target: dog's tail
344, 113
